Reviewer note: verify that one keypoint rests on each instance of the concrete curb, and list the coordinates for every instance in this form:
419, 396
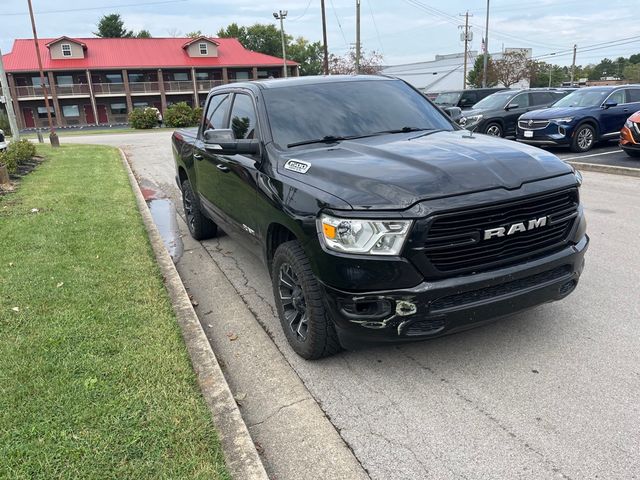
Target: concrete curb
241, 456
596, 167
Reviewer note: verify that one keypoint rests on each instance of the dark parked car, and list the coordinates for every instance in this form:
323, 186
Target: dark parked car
379, 219
582, 118
497, 114
464, 99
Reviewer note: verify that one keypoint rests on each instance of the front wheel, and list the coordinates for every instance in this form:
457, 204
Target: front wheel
583, 139
200, 227
298, 298
494, 129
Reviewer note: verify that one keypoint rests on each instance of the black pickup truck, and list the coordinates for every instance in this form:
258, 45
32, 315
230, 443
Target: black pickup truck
378, 218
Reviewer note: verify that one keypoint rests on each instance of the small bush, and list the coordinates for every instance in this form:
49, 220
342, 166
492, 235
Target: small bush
197, 116
143, 118
180, 115
24, 150
9, 160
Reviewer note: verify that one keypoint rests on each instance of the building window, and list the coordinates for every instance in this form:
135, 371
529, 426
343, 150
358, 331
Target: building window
242, 75
64, 80
42, 112
202, 75
140, 105
66, 50
70, 111
181, 77
204, 50
136, 77
119, 108
113, 77
37, 81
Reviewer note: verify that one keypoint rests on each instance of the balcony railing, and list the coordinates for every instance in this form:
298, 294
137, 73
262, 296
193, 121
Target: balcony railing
179, 86
108, 88
144, 87
206, 85
29, 91
73, 89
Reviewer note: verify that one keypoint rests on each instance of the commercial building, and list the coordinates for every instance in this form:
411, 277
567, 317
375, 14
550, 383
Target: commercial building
98, 81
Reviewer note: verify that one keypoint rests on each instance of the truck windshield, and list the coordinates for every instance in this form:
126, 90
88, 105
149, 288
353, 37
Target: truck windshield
348, 109
583, 98
449, 99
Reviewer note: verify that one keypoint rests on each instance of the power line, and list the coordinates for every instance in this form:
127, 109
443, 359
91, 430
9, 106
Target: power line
44, 12
339, 24
375, 25
303, 13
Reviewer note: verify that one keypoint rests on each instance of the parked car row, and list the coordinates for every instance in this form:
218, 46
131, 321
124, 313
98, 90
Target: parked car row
577, 118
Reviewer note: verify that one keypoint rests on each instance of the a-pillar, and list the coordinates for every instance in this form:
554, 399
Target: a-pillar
54, 97
127, 90
163, 95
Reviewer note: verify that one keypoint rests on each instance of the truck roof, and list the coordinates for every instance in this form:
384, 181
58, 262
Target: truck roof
312, 80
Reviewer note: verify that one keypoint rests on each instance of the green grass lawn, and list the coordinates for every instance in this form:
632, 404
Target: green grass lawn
95, 380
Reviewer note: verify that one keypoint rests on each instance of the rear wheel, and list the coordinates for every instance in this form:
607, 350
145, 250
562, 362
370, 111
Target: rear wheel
583, 139
494, 129
200, 227
298, 298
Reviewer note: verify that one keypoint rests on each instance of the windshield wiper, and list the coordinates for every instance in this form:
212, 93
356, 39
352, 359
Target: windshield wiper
338, 138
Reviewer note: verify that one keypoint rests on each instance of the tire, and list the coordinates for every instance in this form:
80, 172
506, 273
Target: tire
494, 129
632, 153
200, 227
298, 298
584, 139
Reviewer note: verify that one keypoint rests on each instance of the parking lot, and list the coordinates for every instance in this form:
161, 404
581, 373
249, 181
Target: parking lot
551, 393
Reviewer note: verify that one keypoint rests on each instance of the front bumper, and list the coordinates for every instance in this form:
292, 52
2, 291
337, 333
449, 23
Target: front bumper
436, 308
552, 134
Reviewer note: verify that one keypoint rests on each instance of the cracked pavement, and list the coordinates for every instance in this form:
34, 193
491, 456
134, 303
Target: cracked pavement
551, 393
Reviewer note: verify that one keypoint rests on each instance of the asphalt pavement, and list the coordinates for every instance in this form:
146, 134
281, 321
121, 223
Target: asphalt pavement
551, 393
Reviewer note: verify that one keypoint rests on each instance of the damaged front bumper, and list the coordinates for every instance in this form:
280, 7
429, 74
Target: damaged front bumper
435, 308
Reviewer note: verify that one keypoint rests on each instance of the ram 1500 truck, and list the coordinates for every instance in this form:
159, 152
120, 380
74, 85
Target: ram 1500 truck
378, 218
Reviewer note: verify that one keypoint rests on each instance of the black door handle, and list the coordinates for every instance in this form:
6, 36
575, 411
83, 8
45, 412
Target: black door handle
222, 168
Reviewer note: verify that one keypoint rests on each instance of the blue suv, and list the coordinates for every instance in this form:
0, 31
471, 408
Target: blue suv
581, 119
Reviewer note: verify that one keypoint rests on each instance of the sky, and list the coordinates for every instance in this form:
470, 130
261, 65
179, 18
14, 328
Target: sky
403, 31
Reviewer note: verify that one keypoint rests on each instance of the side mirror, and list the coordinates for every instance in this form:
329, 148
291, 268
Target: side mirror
454, 112
223, 142
511, 106
609, 104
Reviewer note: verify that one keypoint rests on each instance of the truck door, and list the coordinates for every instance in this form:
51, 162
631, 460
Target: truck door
207, 163
237, 188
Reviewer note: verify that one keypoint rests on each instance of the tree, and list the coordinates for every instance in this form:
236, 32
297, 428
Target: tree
474, 77
112, 26
539, 74
511, 68
632, 72
143, 34
307, 54
370, 63
233, 30
194, 34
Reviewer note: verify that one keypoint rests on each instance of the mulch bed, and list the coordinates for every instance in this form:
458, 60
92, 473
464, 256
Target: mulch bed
23, 169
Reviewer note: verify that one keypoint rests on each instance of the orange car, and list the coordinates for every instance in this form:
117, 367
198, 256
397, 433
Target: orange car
630, 136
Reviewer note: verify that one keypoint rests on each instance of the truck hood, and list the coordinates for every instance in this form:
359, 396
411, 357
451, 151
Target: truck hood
397, 171
554, 112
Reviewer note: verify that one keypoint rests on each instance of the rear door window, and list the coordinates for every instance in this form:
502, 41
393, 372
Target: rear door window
633, 95
541, 98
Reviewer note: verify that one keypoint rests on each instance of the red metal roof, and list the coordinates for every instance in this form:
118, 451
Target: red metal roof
104, 53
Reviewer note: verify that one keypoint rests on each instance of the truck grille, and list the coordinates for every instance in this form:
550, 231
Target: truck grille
455, 241
533, 124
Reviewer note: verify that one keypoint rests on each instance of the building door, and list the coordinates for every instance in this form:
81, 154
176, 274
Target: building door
88, 114
29, 121
102, 114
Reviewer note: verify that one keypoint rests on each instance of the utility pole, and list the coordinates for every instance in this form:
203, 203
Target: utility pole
281, 15
466, 36
357, 36
550, 71
486, 50
573, 64
53, 137
8, 101
325, 60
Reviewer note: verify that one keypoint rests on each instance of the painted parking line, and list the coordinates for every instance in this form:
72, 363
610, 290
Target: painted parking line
592, 155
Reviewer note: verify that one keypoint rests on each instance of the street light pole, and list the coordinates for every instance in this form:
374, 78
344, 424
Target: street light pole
53, 137
281, 15
6, 93
486, 50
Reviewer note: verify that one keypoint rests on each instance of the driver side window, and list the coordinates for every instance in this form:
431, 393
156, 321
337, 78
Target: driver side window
216, 112
617, 97
521, 100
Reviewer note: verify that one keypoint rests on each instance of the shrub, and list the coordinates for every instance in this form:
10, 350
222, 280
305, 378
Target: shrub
143, 118
179, 115
197, 116
17, 153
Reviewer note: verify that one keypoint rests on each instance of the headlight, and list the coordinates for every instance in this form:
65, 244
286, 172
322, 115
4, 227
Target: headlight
578, 176
471, 120
628, 124
562, 120
372, 237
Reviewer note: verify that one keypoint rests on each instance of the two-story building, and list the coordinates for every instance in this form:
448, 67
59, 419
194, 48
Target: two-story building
98, 81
